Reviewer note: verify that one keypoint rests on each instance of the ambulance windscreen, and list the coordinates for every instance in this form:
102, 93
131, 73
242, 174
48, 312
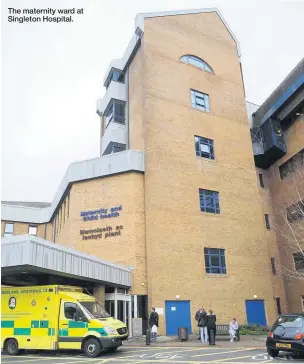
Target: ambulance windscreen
95, 309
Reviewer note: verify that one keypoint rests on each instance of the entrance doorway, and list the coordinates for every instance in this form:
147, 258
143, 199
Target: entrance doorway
117, 304
255, 310
178, 315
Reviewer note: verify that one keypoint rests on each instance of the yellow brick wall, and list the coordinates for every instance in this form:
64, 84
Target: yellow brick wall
128, 248
284, 193
176, 230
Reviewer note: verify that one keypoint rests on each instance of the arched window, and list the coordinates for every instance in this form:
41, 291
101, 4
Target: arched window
196, 62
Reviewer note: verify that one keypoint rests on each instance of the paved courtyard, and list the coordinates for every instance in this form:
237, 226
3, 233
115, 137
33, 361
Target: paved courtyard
150, 355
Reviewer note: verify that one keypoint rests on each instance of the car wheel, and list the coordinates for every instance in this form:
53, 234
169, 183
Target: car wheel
92, 348
273, 353
12, 347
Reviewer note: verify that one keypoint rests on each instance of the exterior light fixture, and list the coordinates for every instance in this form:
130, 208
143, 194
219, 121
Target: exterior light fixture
255, 296
177, 296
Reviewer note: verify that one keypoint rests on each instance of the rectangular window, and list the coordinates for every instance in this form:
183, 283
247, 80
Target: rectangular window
267, 222
278, 302
299, 261
9, 229
261, 180
295, 212
215, 261
200, 101
204, 147
32, 230
209, 201
294, 163
115, 75
116, 113
273, 267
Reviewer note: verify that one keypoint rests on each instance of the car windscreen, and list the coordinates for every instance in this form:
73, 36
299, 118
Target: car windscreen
294, 321
94, 309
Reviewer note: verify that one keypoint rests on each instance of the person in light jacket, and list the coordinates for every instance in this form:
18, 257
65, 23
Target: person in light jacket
211, 324
233, 327
202, 324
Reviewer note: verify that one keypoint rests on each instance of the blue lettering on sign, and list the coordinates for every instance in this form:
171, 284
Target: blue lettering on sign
101, 213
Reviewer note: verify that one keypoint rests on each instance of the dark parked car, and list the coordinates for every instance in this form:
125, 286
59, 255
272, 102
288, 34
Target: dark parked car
286, 334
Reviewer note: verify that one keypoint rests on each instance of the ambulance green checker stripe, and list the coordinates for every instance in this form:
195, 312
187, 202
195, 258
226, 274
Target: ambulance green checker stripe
22, 331
35, 324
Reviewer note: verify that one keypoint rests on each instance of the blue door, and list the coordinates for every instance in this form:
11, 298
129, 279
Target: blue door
255, 310
177, 315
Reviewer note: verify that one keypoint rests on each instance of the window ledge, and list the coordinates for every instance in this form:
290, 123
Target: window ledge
214, 275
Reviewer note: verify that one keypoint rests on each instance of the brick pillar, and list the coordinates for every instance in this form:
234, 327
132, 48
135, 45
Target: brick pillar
99, 294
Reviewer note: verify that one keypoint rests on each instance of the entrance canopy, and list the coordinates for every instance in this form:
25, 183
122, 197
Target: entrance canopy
29, 260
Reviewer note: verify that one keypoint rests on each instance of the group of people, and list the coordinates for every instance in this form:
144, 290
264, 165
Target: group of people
206, 321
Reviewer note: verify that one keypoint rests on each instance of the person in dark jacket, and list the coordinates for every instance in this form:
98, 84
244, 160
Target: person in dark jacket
153, 321
197, 316
211, 324
202, 324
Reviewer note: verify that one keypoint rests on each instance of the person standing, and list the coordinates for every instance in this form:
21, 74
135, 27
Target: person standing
233, 327
202, 323
153, 324
197, 316
211, 325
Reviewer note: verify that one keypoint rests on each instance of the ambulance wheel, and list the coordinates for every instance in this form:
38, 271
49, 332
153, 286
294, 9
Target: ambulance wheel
12, 347
92, 348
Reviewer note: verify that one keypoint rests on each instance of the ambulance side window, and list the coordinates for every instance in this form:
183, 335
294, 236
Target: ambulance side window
69, 310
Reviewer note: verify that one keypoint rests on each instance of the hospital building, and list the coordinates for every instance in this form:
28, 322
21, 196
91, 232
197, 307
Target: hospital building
186, 204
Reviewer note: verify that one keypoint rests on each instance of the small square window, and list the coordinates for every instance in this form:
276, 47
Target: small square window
204, 147
200, 101
209, 201
215, 261
9, 229
267, 222
32, 230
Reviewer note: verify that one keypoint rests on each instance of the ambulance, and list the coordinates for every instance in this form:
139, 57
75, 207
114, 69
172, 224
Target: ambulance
57, 317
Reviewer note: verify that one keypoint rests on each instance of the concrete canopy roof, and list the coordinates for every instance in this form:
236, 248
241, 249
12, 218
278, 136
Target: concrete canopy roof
38, 257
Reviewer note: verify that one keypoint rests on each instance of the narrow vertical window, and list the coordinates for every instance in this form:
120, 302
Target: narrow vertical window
267, 223
261, 180
273, 267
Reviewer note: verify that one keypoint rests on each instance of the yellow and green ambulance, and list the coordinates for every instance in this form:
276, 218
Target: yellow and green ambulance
57, 317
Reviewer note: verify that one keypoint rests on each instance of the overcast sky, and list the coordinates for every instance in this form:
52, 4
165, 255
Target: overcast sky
52, 76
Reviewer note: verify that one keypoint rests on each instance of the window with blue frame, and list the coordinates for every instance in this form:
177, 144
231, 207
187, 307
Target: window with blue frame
215, 261
209, 201
200, 101
204, 147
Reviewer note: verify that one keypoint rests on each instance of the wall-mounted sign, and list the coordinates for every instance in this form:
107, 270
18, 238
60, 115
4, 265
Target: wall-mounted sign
101, 213
99, 233
159, 310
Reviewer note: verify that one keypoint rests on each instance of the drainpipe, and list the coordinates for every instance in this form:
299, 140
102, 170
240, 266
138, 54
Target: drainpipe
45, 227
